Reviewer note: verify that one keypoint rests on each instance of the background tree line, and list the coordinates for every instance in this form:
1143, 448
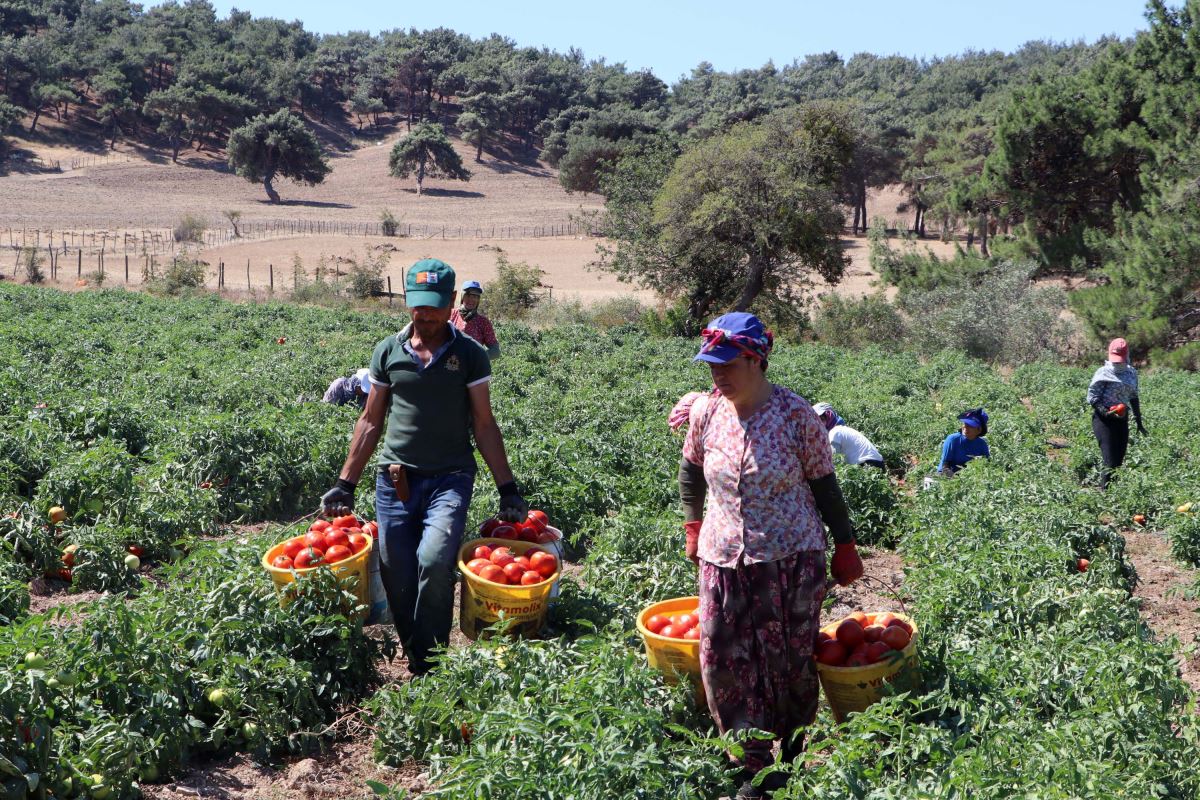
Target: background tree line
1079, 157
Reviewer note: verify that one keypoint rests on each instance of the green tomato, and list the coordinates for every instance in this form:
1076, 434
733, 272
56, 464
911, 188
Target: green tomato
218, 697
250, 731
35, 660
53, 683
67, 678
100, 790
133, 562
148, 773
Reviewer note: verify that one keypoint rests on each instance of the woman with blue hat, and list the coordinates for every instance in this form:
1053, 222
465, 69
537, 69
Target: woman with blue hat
758, 454
470, 321
967, 443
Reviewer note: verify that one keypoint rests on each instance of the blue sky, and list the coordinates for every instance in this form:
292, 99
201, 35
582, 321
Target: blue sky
671, 37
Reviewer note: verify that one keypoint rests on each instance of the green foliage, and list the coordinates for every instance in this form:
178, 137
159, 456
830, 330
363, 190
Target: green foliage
276, 145
588, 718
31, 262
426, 152
513, 294
857, 322
388, 223
366, 274
185, 273
189, 229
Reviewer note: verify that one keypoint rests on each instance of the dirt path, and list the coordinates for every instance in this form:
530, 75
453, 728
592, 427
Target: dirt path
1161, 583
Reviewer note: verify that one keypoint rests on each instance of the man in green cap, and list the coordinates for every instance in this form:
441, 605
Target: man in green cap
429, 393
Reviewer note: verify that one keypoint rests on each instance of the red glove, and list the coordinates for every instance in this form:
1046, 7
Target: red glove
846, 567
692, 538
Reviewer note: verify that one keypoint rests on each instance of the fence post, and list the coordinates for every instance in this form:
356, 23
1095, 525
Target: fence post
247, 274
271, 271
127, 269
389, 277
79, 264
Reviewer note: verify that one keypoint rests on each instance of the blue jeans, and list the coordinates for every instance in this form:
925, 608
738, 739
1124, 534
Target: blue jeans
418, 554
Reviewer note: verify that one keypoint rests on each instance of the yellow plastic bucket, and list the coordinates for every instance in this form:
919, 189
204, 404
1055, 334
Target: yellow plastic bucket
674, 658
353, 569
854, 688
482, 602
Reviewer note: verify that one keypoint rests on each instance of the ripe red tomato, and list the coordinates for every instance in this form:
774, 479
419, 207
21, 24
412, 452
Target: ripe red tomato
505, 532
315, 540
371, 529
895, 637
282, 562
524, 562
693, 634
488, 527
64, 575
858, 657
359, 542
320, 526
308, 557
899, 623
136, 549
871, 633
860, 618
667, 631
529, 577
850, 634
348, 521
514, 572
68, 558
483, 551
476, 565
877, 651
885, 619
656, 623
831, 653
683, 622
822, 636
293, 547
545, 564
1083, 564
502, 557
337, 537
339, 552
494, 574
539, 518
529, 533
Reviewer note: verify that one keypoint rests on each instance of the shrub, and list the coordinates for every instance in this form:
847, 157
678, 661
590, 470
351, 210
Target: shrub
857, 322
190, 229
608, 313
999, 315
182, 274
512, 295
31, 262
388, 223
366, 276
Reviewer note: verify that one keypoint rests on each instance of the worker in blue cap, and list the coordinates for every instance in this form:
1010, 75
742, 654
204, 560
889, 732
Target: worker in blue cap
470, 321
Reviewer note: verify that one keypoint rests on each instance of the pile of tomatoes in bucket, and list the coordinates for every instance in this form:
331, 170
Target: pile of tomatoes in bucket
862, 639
502, 566
533, 529
676, 626
326, 543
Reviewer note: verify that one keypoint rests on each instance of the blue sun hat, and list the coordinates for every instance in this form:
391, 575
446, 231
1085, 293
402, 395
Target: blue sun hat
472, 286
975, 418
735, 334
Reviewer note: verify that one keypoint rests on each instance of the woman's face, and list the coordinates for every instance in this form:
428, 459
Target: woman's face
970, 431
737, 379
470, 301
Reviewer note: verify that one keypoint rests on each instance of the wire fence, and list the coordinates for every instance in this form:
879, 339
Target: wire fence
168, 240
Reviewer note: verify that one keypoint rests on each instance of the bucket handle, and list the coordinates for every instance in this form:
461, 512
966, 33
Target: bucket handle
830, 583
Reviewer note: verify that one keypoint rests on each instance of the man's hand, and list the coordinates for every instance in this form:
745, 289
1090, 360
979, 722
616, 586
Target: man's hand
846, 566
1142, 429
691, 532
340, 499
513, 507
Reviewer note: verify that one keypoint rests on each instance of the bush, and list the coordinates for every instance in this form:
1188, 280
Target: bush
512, 295
388, 223
366, 276
184, 273
31, 262
857, 322
609, 313
190, 229
999, 315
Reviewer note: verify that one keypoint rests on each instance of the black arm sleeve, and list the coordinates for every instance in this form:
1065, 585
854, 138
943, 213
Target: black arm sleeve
1136, 405
692, 490
832, 507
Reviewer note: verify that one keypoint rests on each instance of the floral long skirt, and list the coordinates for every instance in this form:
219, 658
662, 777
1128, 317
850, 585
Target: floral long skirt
758, 627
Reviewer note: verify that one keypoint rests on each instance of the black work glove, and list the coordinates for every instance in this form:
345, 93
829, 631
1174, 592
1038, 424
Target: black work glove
340, 499
513, 507
1142, 429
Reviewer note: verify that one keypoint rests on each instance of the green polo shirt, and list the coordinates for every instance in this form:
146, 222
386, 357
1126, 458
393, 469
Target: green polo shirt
429, 422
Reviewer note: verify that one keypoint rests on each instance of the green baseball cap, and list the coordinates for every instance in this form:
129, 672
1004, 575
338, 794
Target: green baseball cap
430, 282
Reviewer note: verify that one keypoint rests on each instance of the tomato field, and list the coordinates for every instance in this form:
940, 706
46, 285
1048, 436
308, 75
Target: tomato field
168, 425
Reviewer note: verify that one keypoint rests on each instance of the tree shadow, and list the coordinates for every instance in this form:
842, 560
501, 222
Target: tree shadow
303, 203
435, 192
